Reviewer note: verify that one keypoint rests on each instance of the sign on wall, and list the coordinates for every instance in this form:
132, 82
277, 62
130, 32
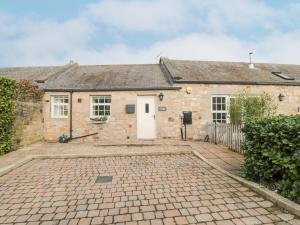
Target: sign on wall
162, 108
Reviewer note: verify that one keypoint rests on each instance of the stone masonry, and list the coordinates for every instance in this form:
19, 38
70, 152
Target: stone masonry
29, 124
122, 127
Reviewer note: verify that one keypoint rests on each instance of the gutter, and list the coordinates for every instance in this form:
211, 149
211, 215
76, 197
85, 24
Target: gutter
71, 114
237, 83
109, 89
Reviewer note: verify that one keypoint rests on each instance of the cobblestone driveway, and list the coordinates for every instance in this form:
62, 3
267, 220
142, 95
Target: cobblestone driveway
171, 189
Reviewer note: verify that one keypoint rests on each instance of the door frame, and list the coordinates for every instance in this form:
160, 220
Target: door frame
155, 114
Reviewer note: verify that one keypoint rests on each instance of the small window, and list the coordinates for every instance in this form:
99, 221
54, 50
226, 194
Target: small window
283, 75
59, 106
146, 108
220, 107
100, 106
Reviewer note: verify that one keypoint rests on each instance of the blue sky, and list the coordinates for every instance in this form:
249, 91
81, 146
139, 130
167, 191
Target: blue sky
35, 32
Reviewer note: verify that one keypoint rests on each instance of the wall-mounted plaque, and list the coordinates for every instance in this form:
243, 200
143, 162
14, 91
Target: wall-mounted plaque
130, 109
162, 108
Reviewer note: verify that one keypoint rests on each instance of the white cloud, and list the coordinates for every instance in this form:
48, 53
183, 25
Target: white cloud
163, 16
45, 41
236, 12
198, 46
140, 15
30, 41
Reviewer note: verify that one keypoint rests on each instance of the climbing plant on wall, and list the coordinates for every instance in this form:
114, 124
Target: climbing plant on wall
28, 91
7, 113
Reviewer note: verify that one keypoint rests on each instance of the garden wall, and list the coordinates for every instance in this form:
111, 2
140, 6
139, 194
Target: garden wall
29, 124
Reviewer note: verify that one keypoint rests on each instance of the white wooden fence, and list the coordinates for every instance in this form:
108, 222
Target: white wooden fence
229, 135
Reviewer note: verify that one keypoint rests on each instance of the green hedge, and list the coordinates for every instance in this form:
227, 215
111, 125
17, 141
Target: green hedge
7, 113
272, 153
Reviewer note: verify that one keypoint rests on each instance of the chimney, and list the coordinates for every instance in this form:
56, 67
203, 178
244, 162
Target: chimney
251, 65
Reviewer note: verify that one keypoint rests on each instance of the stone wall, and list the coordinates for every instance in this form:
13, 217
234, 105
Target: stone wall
29, 124
122, 127
199, 101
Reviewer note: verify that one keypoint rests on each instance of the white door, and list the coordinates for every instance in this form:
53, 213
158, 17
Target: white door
146, 117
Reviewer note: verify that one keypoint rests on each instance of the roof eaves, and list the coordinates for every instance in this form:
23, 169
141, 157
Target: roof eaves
238, 82
109, 89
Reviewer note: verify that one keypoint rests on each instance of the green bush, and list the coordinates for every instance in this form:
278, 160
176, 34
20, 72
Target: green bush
272, 153
7, 113
249, 106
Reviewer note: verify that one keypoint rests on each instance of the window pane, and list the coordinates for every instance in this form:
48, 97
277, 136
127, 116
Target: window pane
214, 107
55, 110
107, 100
146, 108
214, 99
56, 100
218, 115
101, 105
224, 106
224, 116
219, 107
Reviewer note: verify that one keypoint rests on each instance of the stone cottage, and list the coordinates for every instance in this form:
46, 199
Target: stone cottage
126, 103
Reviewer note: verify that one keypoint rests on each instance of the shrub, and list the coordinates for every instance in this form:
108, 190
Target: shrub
7, 113
248, 106
272, 153
28, 91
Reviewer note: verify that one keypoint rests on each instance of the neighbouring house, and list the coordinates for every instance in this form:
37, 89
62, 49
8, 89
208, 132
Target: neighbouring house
125, 103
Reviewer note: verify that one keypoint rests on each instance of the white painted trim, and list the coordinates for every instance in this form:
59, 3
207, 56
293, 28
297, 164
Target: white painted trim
91, 106
227, 99
52, 106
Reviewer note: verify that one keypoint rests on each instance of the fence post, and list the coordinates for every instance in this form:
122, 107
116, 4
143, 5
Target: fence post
215, 132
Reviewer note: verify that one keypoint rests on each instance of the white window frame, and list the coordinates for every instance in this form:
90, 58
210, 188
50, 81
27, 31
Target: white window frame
53, 104
227, 102
92, 116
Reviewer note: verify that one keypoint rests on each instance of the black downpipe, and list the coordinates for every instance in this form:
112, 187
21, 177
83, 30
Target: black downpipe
71, 113
181, 129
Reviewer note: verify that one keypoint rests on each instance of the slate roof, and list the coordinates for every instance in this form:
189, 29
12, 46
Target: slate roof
151, 76
32, 73
111, 77
188, 71
94, 77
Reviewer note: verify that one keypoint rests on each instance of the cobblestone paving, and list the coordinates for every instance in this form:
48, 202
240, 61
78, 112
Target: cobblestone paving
145, 190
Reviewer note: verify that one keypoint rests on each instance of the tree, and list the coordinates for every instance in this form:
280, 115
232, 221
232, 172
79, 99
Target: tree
249, 106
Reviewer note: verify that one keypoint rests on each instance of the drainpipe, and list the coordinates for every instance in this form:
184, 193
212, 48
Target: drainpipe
71, 113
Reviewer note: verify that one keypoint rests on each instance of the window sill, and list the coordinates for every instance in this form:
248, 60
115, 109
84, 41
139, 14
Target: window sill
97, 121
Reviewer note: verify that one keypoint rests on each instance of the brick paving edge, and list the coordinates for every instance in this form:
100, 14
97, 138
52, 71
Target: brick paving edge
15, 165
277, 199
19, 163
